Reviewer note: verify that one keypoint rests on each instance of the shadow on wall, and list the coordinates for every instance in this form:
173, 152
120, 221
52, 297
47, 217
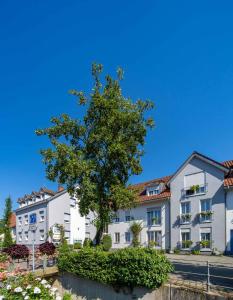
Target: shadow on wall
84, 289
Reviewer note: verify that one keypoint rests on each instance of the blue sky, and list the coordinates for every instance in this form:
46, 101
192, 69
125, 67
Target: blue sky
177, 53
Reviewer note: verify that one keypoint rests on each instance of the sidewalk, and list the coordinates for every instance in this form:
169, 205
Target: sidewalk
202, 259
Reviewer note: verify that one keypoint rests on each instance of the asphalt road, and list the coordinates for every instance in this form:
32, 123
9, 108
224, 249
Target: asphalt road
225, 272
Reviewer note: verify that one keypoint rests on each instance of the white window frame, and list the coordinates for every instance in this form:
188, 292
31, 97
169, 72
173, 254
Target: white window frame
185, 230
128, 241
181, 213
42, 214
20, 220
42, 235
153, 210
117, 237
26, 235
205, 230
211, 209
26, 220
155, 237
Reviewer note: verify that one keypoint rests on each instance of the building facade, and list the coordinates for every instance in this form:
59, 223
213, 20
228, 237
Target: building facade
190, 210
40, 213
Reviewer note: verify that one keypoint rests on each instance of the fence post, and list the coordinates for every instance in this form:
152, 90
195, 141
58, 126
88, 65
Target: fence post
208, 277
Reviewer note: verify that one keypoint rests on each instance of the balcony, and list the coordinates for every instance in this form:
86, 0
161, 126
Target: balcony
194, 190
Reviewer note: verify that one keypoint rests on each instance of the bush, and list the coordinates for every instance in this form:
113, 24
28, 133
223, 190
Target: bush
47, 248
195, 252
87, 243
17, 251
3, 257
126, 267
176, 250
27, 287
107, 242
77, 245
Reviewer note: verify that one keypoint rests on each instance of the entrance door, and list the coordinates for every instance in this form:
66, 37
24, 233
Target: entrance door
231, 241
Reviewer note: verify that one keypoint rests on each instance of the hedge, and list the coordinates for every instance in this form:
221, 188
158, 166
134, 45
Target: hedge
126, 267
17, 251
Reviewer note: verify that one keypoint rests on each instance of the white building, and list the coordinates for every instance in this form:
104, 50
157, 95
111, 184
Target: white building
45, 209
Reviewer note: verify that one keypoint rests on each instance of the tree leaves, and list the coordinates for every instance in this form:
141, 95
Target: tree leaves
100, 152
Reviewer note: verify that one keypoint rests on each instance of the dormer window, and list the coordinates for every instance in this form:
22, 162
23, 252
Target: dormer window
153, 190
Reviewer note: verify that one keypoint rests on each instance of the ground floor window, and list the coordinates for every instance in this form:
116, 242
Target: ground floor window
205, 240
42, 235
127, 237
154, 237
186, 239
117, 237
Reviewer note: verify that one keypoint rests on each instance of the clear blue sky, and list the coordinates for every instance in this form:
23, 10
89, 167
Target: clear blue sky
177, 53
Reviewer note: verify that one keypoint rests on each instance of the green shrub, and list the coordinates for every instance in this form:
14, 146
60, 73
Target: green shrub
87, 243
176, 250
77, 245
67, 296
3, 257
195, 252
125, 267
107, 242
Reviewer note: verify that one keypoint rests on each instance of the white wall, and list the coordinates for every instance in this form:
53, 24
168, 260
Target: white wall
229, 217
77, 225
140, 214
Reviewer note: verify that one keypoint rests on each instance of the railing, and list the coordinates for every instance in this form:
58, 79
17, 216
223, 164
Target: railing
194, 190
209, 273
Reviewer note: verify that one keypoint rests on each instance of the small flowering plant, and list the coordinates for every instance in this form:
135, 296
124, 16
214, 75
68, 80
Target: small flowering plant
27, 287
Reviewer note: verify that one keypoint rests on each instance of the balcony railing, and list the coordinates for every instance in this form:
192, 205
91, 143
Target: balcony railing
194, 190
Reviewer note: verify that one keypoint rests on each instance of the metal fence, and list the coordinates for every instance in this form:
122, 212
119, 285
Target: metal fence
212, 275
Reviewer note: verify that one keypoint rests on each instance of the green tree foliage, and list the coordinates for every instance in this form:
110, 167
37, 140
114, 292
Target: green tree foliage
136, 228
126, 267
107, 242
101, 151
7, 242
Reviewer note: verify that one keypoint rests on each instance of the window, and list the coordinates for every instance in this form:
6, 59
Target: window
42, 217
66, 218
205, 240
87, 235
67, 235
194, 184
185, 212
88, 221
186, 239
153, 190
117, 237
26, 235
154, 217
154, 237
72, 201
32, 218
116, 218
206, 212
20, 220
128, 217
20, 237
42, 235
127, 237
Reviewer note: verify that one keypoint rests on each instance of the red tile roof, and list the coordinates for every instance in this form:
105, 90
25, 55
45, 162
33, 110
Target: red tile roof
12, 222
228, 163
228, 181
141, 189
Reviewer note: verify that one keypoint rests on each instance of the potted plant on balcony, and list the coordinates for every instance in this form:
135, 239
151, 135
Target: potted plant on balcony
195, 188
152, 244
186, 217
187, 244
155, 221
205, 244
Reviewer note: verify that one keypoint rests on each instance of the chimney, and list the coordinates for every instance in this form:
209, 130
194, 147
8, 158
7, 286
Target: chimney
60, 188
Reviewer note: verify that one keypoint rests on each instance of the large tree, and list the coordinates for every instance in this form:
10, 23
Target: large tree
99, 152
7, 241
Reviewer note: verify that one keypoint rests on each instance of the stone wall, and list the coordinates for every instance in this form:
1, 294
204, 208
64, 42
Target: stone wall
84, 289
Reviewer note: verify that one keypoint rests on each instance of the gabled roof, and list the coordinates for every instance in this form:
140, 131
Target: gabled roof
204, 158
142, 192
228, 163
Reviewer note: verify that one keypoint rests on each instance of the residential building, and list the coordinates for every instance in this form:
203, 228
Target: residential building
40, 212
192, 209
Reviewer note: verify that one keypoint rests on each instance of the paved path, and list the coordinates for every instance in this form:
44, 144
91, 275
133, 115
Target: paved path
202, 259
194, 268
